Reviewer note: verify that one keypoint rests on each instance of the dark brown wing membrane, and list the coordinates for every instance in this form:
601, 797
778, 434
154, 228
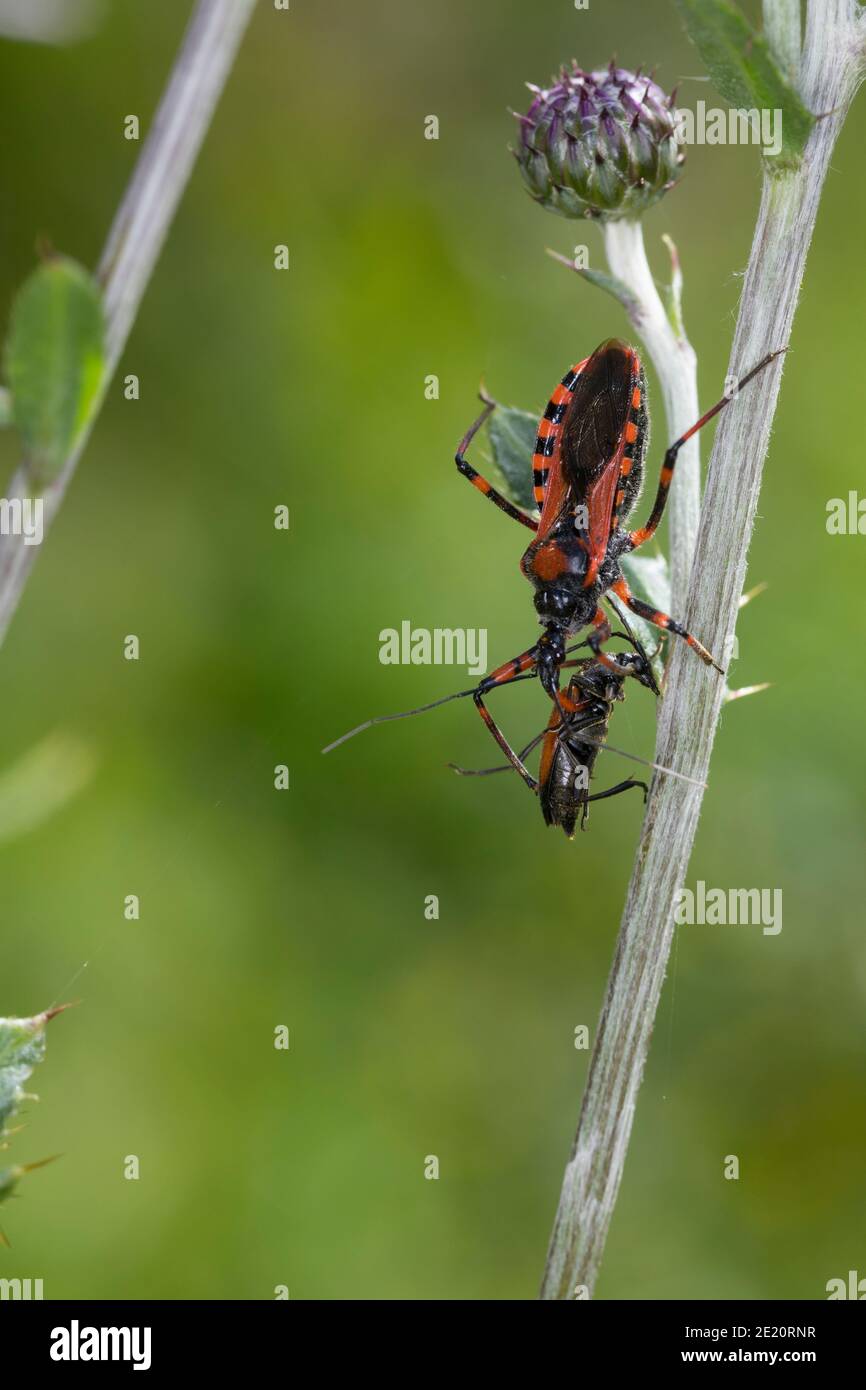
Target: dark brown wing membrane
594, 427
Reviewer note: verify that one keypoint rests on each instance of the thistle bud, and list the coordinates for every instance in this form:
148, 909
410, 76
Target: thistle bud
599, 144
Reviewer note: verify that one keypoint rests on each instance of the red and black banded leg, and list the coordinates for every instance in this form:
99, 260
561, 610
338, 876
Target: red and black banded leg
658, 619
516, 669
644, 533
602, 633
475, 478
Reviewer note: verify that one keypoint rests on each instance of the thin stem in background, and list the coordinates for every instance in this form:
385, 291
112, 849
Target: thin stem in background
137, 235
830, 69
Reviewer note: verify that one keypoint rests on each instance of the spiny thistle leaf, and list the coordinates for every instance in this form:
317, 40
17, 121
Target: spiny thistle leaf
22, 1048
54, 361
744, 71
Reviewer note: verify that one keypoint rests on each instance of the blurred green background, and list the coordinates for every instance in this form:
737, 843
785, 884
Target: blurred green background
409, 1037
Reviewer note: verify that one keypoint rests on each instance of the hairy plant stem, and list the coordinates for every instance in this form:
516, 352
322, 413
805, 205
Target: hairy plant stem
676, 366
137, 234
830, 69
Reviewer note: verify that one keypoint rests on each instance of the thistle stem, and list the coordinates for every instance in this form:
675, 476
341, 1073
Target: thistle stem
673, 358
831, 67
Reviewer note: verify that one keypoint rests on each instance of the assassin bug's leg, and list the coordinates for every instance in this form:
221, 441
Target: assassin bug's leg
513, 670
642, 535
652, 615
504, 744
475, 478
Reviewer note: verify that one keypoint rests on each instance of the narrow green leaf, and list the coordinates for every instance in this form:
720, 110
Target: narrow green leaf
54, 361
744, 71
512, 434
609, 283
675, 290
5, 407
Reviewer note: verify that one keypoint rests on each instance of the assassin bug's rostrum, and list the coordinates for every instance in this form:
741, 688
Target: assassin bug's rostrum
587, 472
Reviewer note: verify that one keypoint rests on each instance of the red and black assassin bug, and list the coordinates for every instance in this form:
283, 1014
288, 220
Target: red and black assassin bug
587, 472
575, 735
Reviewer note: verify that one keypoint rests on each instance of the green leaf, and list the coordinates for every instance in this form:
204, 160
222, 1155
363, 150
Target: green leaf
609, 283
5, 407
512, 434
54, 361
744, 71
22, 1048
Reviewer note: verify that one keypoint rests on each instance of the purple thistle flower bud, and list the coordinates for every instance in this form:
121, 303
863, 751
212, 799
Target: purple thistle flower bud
599, 144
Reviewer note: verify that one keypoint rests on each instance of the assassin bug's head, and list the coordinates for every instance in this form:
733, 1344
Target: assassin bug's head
564, 609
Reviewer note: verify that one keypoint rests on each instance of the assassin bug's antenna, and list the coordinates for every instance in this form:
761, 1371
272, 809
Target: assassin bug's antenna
408, 713
464, 694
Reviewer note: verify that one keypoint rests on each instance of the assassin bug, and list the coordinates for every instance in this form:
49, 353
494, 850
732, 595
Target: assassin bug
587, 472
575, 735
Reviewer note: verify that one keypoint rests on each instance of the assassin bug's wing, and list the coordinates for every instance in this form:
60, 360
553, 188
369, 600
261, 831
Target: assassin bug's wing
549, 484
602, 442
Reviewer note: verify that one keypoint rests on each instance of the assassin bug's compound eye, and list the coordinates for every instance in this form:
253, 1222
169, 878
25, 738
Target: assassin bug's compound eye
599, 144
